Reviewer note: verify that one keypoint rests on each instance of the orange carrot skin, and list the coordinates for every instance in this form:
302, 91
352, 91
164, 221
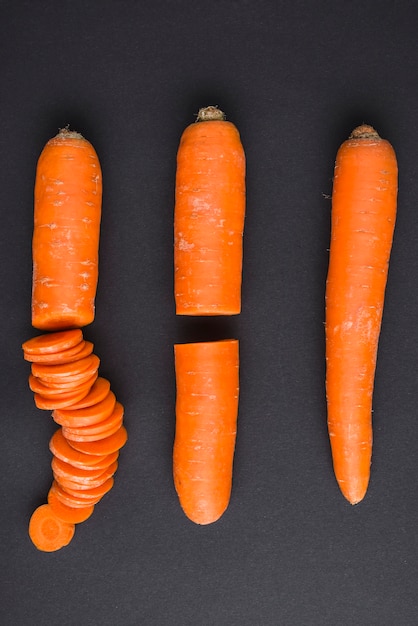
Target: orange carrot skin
207, 378
65, 245
209, 219
364, 202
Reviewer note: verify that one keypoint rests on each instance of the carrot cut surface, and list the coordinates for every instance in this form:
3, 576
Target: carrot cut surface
209, 217
87, 416
60, 448
65, 245
207, 380
51, 343
47, 531
364, 202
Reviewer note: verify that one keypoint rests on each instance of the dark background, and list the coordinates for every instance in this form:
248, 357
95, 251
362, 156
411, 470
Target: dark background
295, 77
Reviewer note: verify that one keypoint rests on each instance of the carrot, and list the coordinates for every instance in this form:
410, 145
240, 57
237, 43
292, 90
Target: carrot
52, 343
104, 446
74, 371
86, 416
67, 513
47, 531
97, 431
67, 213
364, 203
98, 392
72, 500
60, 448
207, 382
209, 217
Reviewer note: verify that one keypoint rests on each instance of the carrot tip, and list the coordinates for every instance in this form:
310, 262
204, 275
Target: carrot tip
210, 113
364, 132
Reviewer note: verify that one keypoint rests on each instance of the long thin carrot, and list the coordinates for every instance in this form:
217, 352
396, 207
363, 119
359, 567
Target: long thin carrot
364, 202
209, 217
67, 212
207, 381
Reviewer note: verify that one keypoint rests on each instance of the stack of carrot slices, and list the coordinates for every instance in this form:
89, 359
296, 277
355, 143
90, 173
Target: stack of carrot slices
64, 378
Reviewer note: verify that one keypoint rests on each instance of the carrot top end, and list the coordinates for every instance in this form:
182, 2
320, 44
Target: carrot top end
66, 133
210, 113
364, 132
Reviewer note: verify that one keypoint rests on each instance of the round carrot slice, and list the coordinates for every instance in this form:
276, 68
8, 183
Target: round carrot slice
89, 415
54, 358
83, 485
73, 384
67, 513
66, 372
97, 393
102, 446
67, 471
53, 342
57, 402
94, 492
104, 426
63, 392
60, 448
47, 531
70, 499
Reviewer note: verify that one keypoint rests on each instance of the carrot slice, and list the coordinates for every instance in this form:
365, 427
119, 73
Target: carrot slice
47, 531
53, 342
86, 484
48, 390
60, 448
72, 500
59, 401
97, 393
94, 492
65, 372
63, 470
87, 381
111, 423
102, 446
89, 415
69, 514
54, 358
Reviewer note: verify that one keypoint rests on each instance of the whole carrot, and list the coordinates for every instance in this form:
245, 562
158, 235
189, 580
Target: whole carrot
364, 202
209, 217
65, 245
207, 381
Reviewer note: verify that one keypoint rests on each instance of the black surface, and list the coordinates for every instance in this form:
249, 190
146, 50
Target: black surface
295, 77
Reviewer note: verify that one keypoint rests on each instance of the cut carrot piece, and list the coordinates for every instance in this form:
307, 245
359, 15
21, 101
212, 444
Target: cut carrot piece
46, 390
108, 425
67, 471
87, 381
103, 446
59, 401
87, 416
53, 342
55, 358
207, 381
94, 492
97, 393
47, 531
60, 448
86, 484
65, 245
209, 217
65, 372
69, 514
72, 500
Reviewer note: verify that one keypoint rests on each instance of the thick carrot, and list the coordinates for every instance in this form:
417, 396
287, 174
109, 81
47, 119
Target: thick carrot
364, 201
47, 531
67, 213
209, 217
207, 379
